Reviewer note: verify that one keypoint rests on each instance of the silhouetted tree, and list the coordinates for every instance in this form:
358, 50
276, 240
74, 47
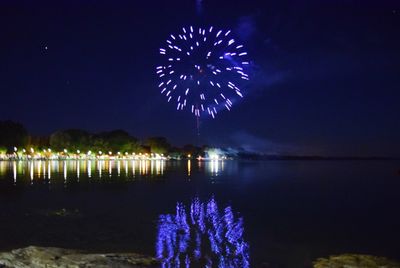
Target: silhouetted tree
119, 141
194, 151
158, 145
73, 139
175, 153
12, 134
40, 142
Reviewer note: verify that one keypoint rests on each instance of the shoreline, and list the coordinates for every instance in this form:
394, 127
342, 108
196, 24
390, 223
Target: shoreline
255, 159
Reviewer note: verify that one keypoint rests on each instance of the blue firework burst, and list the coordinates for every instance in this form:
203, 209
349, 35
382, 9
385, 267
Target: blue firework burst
203, 70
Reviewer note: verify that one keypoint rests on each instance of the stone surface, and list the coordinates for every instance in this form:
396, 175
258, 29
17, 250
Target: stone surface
49, 257
355, 261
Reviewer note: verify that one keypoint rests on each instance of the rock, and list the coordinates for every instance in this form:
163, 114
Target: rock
50, 257
355, 261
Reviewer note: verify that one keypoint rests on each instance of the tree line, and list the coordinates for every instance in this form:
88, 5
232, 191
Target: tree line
13, 134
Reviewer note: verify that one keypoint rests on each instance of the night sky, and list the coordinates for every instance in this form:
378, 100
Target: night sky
325, 75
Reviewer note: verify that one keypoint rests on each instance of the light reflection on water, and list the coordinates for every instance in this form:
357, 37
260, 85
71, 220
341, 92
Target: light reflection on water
201, 235
47, 170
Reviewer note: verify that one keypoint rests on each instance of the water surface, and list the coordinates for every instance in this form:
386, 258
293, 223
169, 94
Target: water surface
291, 211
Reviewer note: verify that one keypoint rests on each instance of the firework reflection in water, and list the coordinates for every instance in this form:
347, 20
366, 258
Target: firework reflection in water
203, 236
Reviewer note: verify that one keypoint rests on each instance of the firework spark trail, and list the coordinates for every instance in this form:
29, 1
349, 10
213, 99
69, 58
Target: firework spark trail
203, 70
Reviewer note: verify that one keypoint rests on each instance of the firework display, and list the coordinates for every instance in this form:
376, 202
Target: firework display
203, 70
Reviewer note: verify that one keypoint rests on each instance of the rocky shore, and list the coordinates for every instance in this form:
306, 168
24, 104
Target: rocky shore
50, 257
355, 261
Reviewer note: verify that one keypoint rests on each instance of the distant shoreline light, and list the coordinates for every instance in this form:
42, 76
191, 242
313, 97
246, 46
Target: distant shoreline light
65, 154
